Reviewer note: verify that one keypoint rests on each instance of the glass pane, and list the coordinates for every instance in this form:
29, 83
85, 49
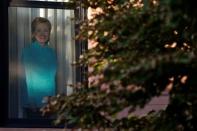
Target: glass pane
29, 79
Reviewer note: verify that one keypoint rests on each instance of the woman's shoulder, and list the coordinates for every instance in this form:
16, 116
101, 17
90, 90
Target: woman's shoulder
27, 47
50, 48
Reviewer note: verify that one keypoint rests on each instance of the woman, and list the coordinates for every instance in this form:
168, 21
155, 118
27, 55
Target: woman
39, 62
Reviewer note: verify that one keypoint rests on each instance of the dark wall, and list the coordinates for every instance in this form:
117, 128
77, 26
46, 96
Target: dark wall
3, 61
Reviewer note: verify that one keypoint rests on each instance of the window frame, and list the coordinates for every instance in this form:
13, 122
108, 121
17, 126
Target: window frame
31, 123
42, 4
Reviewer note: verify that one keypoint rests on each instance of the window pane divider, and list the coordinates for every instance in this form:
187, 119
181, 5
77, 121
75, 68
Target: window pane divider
43, 4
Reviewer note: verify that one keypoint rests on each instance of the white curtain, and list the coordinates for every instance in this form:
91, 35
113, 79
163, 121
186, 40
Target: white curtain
62, 40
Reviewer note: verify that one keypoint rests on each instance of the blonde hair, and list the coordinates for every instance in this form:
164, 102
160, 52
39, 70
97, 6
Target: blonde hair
37, 21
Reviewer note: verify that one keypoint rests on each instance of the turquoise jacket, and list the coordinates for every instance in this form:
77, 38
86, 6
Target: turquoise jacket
40, 65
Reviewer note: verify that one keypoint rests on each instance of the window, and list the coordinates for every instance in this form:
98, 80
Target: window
20, 15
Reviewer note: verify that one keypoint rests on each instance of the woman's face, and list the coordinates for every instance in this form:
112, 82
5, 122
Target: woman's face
42, 33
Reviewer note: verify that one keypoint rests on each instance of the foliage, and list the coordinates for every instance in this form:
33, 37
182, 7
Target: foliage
140, 49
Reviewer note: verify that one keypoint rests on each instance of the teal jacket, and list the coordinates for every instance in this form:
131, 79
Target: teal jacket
40, 65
